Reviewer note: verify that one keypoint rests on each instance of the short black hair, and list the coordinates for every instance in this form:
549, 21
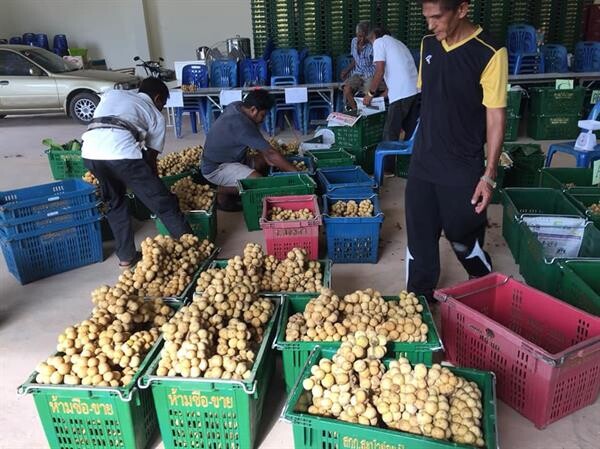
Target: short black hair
153, 86
449, 5
260, 99
379, 32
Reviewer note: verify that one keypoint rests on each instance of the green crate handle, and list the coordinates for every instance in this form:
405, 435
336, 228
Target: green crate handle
309, 363
146, 380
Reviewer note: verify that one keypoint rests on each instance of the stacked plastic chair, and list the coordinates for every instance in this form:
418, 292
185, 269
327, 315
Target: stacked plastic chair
16, 40
523, 55
28, 38
583, 159
587, 57
341, 63
317, 70
285, 71
41, 40
60, 45
196, 75
555, 58
253, 72
223, 73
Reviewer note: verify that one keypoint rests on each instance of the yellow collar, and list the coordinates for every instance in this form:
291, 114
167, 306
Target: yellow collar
465, 40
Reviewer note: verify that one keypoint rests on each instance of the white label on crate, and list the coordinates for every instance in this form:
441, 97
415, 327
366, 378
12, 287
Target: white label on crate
596, 173
564, 84
559, 236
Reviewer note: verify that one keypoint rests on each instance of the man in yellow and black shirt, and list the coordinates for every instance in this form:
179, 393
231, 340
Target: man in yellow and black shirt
463, 77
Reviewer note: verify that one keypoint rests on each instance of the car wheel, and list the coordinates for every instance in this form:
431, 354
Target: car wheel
82, 106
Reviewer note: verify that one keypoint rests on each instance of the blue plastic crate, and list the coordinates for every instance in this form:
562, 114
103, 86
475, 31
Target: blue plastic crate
343, 181
353, 240
39, 254
37, 201
18, 226
308, 161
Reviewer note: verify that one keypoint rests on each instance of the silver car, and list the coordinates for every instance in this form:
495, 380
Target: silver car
34, 81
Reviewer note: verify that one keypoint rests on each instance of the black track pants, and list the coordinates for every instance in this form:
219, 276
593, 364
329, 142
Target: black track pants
115, 177
431, 208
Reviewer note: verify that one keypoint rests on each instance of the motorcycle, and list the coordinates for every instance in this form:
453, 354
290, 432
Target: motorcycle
155, 69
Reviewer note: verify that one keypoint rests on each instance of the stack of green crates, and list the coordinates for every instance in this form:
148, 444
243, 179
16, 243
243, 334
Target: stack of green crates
527, 159
554, 113
364, 157
368, 130
513, 115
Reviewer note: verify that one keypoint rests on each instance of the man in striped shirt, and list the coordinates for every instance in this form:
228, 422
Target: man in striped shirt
360, 71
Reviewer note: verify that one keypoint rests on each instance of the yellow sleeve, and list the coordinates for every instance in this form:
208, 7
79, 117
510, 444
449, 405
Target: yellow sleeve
494, 80
419, 82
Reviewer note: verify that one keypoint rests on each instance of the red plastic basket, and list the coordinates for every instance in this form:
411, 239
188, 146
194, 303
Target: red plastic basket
545, 353
283, 236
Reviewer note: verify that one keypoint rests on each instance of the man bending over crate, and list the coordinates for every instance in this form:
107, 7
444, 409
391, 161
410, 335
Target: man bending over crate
463, 77
120, 149
225, 158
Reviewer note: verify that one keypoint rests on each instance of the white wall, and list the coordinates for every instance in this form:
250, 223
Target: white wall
118, 30
110, 29
177, 27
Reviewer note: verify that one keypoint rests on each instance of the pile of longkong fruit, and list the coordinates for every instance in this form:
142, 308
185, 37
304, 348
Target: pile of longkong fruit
355, 386
351, 208
107, 348
282, 214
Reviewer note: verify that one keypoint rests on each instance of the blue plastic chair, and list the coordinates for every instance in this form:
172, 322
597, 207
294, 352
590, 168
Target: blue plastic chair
285, 62
317, 70
28, 38
253, 72
41, 40
16, 40
197, 75
392, 148
281, 107
583, 159
223, 73
555, 58
587, 57
523, 55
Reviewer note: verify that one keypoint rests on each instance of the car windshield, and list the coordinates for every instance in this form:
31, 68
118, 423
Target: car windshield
49, 61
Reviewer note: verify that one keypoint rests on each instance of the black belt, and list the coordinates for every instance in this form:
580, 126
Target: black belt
111, 121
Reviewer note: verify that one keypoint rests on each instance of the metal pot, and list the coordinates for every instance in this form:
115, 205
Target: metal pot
202, 53
239, 46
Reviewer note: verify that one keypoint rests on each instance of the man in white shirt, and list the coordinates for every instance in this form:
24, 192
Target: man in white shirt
394, 63
120, 149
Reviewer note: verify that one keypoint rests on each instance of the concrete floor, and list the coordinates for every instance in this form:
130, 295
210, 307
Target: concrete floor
32, 316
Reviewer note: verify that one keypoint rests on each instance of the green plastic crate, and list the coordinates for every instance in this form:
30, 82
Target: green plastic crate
368, 130
325, 268
212, 413
579, 284
402, 165
65, 164
82, 417
316, 432
568, 178
513, 103
547, 101
331, 158
253, 190
172, 179
527, 161
542, 272
511, 132
202, 222
583, 201
541, 127
295, 353
519, 202
364, 157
